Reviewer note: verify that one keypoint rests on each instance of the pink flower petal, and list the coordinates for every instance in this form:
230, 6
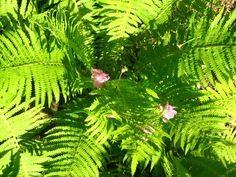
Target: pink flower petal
168, 112
99, 78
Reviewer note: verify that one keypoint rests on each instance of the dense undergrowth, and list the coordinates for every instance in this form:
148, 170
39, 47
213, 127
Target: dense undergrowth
115, 88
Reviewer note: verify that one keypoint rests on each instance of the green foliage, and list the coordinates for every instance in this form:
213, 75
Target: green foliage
135, 122
54, 123
7, 6
21, 153
72, 152
123, 18
25, 65
204, 55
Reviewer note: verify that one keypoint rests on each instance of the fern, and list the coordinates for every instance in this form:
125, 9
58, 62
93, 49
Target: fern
18, 9
205, 58
186, 130
24, 65
20, 152
190, 133
72, 152
117, 22
199, 57
140, 135
122, 18
69, 31
7, 6
155, 52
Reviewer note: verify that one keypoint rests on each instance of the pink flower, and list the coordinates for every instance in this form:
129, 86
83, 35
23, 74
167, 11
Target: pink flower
99, 78
168, 112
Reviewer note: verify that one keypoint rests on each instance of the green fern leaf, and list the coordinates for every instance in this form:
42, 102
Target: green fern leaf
206, 54
132, 119
7, 6
72, 153
71, 33
24, 64
122, 18
16, 148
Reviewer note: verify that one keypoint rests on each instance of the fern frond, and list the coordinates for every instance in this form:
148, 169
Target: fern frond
7, 6
186, 131
69, 30
200, 123
72, 152
23, 8
204, 54
131, 119
25, 65
123, 18
20, 153
46, 5
210, 54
